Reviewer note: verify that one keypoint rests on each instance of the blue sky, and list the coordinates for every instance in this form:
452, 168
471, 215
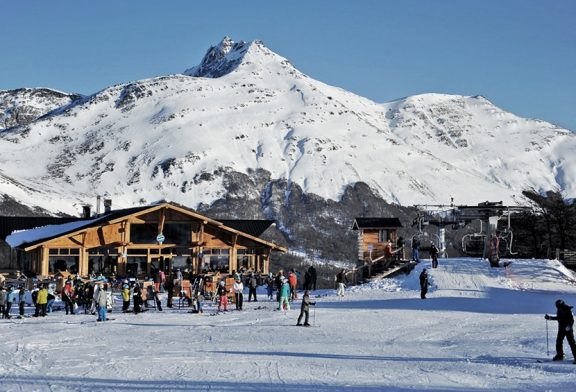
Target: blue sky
520, 54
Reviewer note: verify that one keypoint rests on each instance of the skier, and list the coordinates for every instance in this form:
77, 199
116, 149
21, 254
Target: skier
21, 301
293, 281
125, 296
68, 297
252, 285
223, 298
239, 293
137, 298
278, 283
169, 287
416, 249
10, 298
270, 285
565, 329
341, 280
197, 302
284, 302
41, 301
313, 276
305, 309
434, 255
424, 283
307, 285
102, 303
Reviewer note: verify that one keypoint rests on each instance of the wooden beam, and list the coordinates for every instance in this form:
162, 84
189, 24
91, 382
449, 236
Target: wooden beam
162, 220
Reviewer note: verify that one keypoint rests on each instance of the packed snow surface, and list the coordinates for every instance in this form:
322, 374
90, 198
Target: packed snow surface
480, 329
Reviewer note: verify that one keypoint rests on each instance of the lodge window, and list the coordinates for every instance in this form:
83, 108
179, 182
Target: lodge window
215, 259
384, 235
245, 258
63, 259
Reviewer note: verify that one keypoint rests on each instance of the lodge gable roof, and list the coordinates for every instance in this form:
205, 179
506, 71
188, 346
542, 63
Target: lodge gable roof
29, 239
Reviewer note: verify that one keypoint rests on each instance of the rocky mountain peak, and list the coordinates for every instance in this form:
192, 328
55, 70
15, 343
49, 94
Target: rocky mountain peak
220, 60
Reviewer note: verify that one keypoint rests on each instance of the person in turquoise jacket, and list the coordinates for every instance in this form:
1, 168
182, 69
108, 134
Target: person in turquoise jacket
10, 298
284, 302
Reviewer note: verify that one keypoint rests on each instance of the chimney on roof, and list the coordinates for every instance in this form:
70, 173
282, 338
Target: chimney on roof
86, 211
98, 198
107, 205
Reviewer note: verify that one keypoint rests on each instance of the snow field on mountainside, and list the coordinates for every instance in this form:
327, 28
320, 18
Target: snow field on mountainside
480, 329
173, 138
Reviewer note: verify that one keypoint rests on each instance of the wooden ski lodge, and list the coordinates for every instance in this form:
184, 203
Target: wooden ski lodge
136, 241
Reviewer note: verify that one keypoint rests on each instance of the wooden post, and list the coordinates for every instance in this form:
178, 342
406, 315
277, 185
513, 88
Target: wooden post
44, 260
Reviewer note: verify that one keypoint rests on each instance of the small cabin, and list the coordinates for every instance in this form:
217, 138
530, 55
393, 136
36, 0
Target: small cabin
374, 234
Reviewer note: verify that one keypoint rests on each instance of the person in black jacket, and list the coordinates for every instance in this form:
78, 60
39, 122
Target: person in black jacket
424, 283
565, 329
305, 309
313, 277
434, 255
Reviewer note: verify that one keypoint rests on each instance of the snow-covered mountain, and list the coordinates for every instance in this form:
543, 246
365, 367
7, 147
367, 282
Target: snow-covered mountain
244, 110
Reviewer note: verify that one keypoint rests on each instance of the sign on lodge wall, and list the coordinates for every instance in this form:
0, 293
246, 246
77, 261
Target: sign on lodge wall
139, 241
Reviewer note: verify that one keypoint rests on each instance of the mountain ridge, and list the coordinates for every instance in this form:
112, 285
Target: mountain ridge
244, 108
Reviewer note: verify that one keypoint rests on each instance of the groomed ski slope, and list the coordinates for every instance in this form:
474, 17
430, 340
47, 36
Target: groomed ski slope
480, 329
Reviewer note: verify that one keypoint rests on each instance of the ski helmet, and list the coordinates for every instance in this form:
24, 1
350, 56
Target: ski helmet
559, 303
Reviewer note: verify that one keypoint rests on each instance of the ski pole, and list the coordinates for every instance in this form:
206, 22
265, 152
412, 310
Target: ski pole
547, 346
314, 316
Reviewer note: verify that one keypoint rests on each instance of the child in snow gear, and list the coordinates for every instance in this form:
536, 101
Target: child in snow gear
223, 298
565, 329
305, 309
424, 283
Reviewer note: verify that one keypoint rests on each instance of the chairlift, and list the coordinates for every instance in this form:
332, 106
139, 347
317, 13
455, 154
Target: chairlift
473, 244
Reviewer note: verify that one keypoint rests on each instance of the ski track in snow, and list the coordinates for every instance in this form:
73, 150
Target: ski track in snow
480, 329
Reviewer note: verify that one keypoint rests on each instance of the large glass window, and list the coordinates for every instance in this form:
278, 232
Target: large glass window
63, 263
216, 260
143, 233
136, 266
63, 259
177, 233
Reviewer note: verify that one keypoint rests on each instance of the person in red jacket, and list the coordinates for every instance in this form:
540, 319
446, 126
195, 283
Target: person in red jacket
293, 281
68, 297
